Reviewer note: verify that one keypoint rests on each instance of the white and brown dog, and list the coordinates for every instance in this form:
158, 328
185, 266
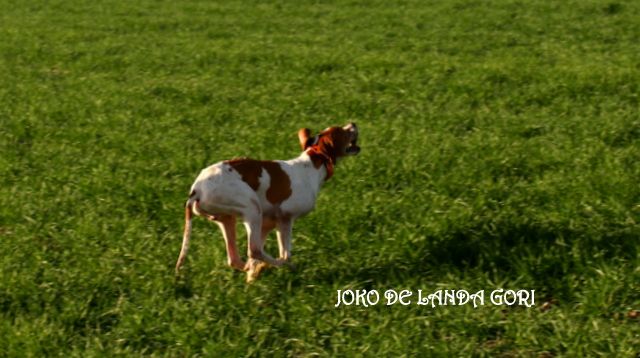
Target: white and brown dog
266, 195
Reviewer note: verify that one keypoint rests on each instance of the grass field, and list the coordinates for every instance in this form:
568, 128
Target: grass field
500, 149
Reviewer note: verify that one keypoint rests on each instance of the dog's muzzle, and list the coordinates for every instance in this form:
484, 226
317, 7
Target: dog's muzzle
353, 147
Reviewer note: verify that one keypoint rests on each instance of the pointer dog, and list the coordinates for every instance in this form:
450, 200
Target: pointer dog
266, 195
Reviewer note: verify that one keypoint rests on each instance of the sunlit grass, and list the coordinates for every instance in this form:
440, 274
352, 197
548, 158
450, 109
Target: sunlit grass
500, 149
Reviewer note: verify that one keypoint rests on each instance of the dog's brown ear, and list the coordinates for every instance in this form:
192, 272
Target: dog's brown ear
304, 136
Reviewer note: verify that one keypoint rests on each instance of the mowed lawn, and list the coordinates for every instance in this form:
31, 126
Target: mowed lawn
500, 149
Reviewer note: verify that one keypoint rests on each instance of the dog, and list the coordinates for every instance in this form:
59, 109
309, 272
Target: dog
266, 195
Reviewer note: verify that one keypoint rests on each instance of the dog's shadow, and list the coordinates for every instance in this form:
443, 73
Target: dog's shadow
511, 252
507, 254
182, 286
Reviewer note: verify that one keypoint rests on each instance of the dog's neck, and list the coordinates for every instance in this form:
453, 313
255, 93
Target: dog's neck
322, 159
314, 171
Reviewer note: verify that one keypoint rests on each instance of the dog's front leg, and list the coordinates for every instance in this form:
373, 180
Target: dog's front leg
285, 228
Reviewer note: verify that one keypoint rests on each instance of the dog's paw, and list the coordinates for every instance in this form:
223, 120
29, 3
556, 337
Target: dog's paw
253, 268
261, 265
251, 277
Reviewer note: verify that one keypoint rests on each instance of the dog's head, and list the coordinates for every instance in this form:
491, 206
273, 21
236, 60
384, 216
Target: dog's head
335, 142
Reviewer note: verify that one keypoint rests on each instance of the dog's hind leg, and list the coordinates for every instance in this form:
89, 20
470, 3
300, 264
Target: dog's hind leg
255, 266
258, 258
255, 247
227, 224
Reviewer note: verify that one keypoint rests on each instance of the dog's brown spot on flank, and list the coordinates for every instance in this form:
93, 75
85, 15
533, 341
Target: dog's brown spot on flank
280, 188
251, 170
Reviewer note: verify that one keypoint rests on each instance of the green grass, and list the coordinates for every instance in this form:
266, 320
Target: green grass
500, 148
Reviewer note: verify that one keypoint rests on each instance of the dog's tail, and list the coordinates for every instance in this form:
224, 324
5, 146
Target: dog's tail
188, 213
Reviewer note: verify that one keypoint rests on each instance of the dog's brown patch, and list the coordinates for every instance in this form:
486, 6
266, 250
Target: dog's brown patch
251, 170
280, 188
317, 159
332, 143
